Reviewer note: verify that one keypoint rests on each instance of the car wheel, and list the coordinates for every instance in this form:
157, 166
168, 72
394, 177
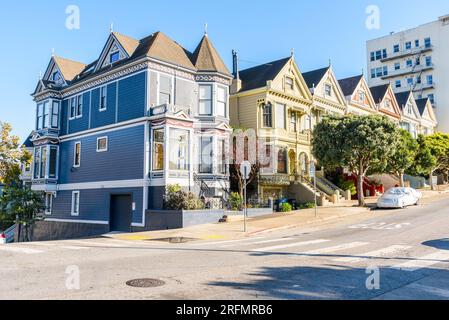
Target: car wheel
417, 203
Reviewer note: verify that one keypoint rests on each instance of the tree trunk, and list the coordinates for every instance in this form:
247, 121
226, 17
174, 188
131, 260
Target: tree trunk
360, 193
432, 185
401, 180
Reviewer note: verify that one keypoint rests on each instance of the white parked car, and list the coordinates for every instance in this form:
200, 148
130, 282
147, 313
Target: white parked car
399, 198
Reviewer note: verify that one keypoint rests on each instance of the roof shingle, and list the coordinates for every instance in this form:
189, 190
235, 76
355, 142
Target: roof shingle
379, 92
314, 77
349, 85
258, 76
206, 58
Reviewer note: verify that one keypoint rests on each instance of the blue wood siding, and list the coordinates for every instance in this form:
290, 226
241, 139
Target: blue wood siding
122, 161
104, 118
82, 123
94, 204
131, 97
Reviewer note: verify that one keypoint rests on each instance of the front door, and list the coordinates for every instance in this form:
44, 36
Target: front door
121, 213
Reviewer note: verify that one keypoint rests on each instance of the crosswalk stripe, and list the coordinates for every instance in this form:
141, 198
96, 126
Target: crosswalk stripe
337, 248
14, 249
382, 253
229, 241
256, 243
425, 261
290, 245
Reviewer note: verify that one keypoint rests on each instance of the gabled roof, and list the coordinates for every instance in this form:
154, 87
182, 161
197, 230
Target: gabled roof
349, 85
28, 143
379, 92
129, 44
314, 77
69, 68
206, 58
258, 76
402, 98
422, 104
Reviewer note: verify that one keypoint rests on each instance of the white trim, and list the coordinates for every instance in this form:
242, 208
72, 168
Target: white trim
138, 183
141, 225
74, 155
78, 221
105, 129
107, 144
75, 213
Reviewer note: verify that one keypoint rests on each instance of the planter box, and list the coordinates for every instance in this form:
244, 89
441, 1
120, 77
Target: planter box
167, 219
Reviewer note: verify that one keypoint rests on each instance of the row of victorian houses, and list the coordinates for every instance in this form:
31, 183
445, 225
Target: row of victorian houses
112, 134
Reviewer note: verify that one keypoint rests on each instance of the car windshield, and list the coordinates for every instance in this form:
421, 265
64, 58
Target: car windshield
396, 191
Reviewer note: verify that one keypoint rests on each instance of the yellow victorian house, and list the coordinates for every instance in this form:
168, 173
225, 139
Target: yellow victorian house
358, 96
275, 101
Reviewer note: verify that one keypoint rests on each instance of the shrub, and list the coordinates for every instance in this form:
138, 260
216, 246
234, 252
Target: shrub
347, 185
176, 199
307, 205
286, 207
235, 201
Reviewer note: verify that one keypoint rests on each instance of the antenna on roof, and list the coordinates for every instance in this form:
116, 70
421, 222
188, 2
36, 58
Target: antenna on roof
111, 27
205, 29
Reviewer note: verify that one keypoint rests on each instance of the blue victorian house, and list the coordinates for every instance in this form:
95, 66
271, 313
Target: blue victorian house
112, 134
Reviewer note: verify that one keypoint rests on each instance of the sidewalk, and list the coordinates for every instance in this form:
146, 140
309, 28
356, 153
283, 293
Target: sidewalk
279, 221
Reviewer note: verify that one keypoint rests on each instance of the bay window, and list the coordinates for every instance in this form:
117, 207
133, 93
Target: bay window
293, 121
222, 101
179, 150
267, 116
45, 164
206, 155
158, 150
280, 116
55, 115
222, 156
40, 116
205, 103
53, 160
165, 90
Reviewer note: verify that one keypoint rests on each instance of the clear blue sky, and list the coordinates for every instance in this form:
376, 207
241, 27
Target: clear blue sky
260, 31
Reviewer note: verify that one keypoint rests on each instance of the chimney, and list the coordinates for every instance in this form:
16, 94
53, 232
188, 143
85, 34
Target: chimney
236, 82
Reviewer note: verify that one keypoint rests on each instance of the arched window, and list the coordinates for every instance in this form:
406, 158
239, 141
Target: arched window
282, 161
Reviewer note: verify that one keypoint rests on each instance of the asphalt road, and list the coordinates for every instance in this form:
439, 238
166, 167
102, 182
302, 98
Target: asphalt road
400, 254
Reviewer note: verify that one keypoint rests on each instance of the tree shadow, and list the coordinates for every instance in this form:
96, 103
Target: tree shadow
329, 282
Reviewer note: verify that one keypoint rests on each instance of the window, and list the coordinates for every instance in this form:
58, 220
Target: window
75, 203
427, 42
289, 83
373, 73
379, 72
398, 84
429, 61
206, 100
384, 54
328, 90
387, 104
378, 54
56, 77
280, 116
114, 57
410, 81
43, 164
206, 155
37, 161
55, 115
362, 96
53, 163
430, 79
417, 43
72, 108
431, 97
282, 161
409, 109
408, 45
79, 106
418, 61
418, 80
77, 155
397, 66
46, 115
293, 121
103, 98
158, 150
48, 203
40, 115
222, 156
165, 90
222, 101
102, 144
179, 150
409, 63
385, 70
267, 116
373, 56
396, 48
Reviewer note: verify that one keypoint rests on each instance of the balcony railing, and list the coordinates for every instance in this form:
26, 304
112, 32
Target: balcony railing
409, 70
408, 52
423, 86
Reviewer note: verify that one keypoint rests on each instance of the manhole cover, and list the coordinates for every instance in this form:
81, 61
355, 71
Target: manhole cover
145, 283
175, 240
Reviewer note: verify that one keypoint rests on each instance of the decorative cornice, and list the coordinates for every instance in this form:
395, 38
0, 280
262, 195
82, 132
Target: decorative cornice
213, 78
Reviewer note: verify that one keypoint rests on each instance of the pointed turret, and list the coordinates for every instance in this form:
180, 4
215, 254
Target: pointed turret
206, 58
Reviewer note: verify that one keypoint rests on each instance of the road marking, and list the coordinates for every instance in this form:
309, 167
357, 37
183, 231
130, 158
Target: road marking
259, 242
381, 226
57, 245
432, 290
422, 262
290, 245
14, 249
230, 241
336, 248
382, 253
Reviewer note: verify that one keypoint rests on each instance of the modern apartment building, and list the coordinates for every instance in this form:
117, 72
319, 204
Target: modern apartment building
415, 59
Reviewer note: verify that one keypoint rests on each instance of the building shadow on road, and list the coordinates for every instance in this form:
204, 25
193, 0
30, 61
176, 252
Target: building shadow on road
331, 282
441, 244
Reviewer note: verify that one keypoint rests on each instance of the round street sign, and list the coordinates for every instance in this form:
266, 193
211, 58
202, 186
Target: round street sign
245, 169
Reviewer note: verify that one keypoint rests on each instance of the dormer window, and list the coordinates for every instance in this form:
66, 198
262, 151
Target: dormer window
362, 96
289, 83
56, 77
114, 57
328, 90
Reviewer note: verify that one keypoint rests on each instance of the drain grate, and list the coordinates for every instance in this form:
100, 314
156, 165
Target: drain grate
175, 240
145, 283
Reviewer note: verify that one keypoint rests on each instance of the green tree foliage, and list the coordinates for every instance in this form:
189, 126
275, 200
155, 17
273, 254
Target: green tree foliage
358, 143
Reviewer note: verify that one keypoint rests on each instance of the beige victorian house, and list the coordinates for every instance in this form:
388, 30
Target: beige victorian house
275, 101
358, 96
386, 102
428, 122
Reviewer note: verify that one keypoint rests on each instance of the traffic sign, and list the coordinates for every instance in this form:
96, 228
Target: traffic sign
245, 169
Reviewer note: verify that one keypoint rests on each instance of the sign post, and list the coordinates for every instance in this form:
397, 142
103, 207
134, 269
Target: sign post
245, 170
313, 175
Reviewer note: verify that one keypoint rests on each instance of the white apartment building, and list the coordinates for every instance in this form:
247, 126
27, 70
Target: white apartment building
416, 59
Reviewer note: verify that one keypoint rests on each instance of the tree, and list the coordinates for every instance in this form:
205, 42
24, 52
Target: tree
24, 206
11, 156
404, 157
432, 155
358, 143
